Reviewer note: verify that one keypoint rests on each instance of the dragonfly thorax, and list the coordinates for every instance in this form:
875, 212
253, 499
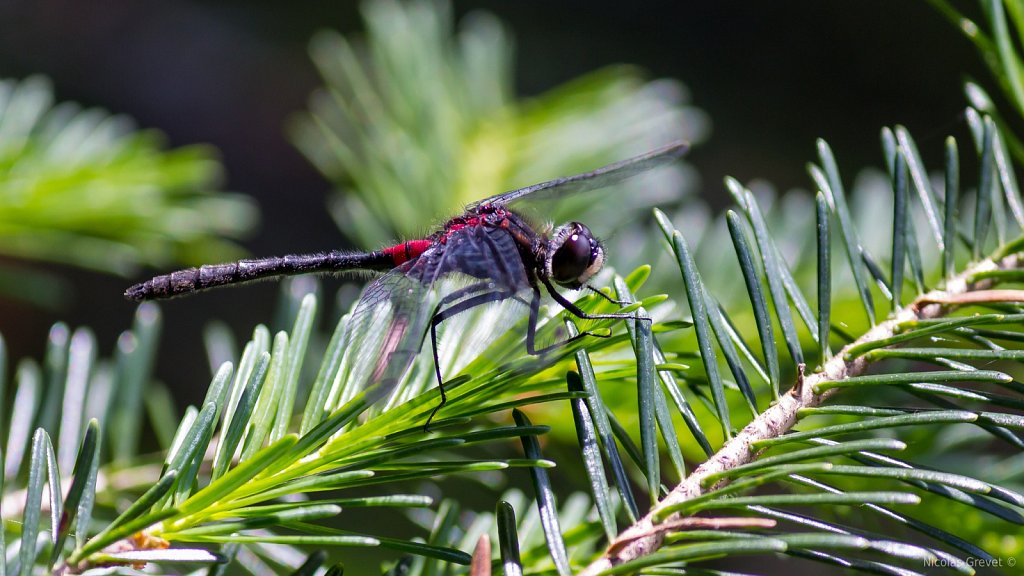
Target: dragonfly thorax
573, 256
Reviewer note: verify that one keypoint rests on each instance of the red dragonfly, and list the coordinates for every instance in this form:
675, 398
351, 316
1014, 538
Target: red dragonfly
492, 250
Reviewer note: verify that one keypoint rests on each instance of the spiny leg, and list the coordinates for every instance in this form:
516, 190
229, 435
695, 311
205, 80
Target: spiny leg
531, 330
579, 313
575, 311
531, 334
456, 295
441, 315
605, 296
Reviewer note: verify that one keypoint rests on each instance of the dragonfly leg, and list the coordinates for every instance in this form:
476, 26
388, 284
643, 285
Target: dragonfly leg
453, 309
531, 330
605, 296
579, 313
458, 295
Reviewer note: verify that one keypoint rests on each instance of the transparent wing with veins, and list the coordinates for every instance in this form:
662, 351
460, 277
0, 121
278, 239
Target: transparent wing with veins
593, 180
391, 321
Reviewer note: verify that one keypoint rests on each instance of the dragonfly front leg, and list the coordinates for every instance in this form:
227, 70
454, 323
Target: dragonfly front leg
531, 330
605, 296
575, 311
579, 313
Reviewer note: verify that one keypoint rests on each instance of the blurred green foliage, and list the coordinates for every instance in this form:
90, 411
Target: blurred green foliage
998, 35
86, 188
420, 118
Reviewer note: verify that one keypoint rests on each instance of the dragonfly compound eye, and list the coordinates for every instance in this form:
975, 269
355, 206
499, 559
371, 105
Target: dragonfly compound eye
575, 255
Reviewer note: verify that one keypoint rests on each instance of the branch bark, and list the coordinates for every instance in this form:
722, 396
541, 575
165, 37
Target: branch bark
644, 537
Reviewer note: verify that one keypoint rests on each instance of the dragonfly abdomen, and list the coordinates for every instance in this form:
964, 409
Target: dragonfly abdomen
192, 280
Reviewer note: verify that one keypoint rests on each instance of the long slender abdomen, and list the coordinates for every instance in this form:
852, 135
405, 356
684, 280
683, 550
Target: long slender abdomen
192, 280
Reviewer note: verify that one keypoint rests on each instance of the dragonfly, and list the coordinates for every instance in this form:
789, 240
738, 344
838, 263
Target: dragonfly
493, 251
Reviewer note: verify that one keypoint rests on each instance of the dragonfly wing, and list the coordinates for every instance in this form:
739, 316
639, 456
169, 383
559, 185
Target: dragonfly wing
390, 323
595, 179
383, 335
486, 254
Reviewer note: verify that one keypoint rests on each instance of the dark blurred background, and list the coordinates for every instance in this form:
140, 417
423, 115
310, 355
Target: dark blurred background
772, 77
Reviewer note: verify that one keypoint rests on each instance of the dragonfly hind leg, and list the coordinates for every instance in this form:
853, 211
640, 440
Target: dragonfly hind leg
490, 294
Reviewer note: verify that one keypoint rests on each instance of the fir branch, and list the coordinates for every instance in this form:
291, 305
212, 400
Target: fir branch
644, 537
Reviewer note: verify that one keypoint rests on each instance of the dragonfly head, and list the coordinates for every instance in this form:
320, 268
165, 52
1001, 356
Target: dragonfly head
573, 255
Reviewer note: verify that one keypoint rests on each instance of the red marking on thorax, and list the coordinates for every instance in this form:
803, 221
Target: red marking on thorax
407, 250
460, 223
456, 224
